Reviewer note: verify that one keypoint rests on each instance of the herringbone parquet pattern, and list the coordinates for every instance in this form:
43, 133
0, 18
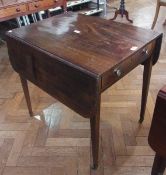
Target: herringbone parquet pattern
57, 140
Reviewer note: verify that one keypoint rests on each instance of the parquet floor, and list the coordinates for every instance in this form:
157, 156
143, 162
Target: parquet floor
57, 140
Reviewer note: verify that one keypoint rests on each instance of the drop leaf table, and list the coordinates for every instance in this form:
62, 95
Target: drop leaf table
75, 58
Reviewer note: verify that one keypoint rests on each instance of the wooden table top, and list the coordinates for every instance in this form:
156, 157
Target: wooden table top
74, 58
89, 43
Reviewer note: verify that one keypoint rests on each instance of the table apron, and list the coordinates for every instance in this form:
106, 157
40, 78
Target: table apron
127, 65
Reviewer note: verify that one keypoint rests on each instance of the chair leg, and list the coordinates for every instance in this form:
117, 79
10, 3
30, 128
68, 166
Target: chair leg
159, 165
164, 22
156, 16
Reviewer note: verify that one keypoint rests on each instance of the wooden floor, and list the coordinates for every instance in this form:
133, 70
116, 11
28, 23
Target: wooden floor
57, 140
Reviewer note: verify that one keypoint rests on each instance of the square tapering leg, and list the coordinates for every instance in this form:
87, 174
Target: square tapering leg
145, 87
26, 94
95, 134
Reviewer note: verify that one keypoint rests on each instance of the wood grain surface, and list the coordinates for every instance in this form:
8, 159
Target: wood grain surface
63, 74
124, 146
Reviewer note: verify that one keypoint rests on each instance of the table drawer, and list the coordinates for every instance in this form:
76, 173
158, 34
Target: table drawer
56, 2
33, 6
126, 66
12, 10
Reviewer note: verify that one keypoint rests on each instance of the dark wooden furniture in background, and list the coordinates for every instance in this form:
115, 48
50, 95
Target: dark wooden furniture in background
14, 8
159, 4
157, 134
122, 11
75, 58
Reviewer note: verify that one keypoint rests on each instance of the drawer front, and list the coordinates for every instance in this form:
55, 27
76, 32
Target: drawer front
12, 10
56, 2
126, 66
33, 6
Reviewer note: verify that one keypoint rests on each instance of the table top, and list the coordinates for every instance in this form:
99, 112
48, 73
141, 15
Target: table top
89, 43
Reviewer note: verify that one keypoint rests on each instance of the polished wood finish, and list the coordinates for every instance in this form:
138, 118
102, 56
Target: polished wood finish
159, 4
58, 142
157, 133
15, 8
78, 72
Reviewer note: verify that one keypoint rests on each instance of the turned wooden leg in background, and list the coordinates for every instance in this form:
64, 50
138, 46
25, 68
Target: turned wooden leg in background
145, 86
127, 16
26, 94
159, 165
164, 22
156, 16
95, 133
115, 15
122, 11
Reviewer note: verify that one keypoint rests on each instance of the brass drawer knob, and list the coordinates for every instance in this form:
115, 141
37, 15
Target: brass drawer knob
118, 72
145, 50
18, 10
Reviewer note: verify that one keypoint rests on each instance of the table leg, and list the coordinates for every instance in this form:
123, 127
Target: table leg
122, 11
26, 94
145, 87
164, 22
19, 22
98, 4
95, 130
159, 165
127, 16
116, 14
47, 13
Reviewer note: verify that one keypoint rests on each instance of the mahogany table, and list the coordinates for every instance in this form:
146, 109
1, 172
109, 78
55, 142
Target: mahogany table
15, 8
74, 58
157, 134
